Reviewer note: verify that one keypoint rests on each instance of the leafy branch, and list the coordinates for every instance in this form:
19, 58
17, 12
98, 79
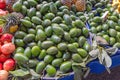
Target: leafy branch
100, 51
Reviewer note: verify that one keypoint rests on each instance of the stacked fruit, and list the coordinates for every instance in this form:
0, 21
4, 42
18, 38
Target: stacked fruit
116, 3
6, 49
108, 28
50, 38
80, 5
2, 4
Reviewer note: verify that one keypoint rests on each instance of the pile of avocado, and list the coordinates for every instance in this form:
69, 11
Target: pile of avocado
109, 29
51, 37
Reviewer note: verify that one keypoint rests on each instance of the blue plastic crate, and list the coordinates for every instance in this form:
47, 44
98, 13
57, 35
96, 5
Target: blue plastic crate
98, 68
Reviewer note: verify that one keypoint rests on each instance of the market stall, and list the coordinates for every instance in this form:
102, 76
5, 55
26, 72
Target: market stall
58, 39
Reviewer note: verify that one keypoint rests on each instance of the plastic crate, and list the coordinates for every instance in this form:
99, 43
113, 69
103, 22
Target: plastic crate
97, 68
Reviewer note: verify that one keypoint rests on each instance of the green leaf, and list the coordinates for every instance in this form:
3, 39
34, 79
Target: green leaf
86, 58
20, 73
78, 74
112, 50
101, 41
94, 44
106, 59
94, 53
61, 74
34, 74
82, 65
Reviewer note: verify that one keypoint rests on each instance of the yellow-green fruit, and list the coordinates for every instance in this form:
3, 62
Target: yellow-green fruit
112, 40
51, 71
117, 28
19, 50
42, 54
66, 66
76, 58
17, 6
87, 46
19, 43
35, 51
52, 50
48, 59
83, 53
20, 58
40, 67
59, 54
107, 38
62, 46
72, 48
117, 45
57, 62
28, 52
112, 32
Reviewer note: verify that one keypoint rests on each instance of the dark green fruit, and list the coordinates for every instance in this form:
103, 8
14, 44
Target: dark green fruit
112, 40
117, 45
33, 63
51, 71
66, 66
62, 46
52, 50
55, 39
20, 58
57, 62
112, 32
40, 67
72, 48
66, 56
47, 44
42, 54
83, 53
76, 58
48, 59
35, 51
28, 52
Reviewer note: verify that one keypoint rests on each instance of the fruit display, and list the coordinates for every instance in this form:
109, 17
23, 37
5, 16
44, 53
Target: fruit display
80, 5
51, 37
2, 4
6, 49
116, 4
108, 28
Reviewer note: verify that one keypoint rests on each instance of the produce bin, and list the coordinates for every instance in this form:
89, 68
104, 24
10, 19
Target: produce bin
39, 27
96, 67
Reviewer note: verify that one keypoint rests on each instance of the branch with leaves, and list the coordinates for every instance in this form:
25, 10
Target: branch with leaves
100, 51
